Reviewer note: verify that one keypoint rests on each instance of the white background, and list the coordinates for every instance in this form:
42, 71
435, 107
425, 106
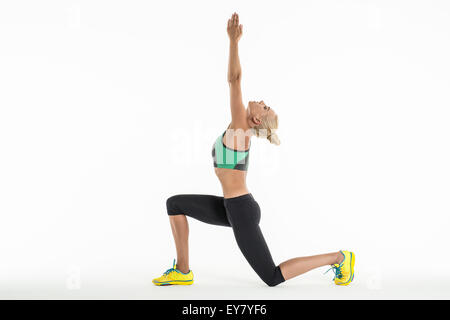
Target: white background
107, 108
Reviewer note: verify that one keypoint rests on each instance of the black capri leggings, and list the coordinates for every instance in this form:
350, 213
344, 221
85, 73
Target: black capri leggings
241, 213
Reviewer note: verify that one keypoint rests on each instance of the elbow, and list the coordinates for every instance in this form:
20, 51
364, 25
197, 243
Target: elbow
234, 77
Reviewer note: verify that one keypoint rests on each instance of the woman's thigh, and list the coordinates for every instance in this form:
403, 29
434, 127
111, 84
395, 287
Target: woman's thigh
244, 216
206, 208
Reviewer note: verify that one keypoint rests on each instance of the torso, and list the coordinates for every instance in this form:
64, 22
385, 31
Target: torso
233, 181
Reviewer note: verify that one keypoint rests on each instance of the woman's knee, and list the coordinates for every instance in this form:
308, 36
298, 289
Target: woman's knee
173, 205
271, 282
274, 278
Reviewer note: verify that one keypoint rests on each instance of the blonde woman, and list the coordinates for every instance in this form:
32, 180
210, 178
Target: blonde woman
237, 208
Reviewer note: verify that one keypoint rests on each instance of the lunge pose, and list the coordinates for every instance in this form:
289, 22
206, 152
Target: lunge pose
237, 208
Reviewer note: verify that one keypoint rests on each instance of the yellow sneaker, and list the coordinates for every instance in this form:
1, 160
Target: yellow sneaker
174, 276
345, 271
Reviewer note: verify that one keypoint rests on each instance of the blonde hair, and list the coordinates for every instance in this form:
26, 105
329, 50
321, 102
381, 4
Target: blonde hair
266, 129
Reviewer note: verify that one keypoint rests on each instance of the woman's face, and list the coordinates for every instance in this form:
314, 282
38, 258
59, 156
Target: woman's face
257, 111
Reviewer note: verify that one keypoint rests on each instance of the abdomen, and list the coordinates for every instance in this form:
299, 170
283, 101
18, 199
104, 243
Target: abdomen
233, 182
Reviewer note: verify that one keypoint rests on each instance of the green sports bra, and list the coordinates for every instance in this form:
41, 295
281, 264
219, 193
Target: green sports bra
225, 157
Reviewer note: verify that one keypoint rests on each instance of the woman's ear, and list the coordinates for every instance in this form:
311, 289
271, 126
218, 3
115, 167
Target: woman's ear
257, 121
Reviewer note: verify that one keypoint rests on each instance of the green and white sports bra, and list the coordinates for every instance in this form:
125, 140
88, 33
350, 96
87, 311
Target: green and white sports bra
228, 158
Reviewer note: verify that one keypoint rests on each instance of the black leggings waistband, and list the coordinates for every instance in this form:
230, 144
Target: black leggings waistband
247, 196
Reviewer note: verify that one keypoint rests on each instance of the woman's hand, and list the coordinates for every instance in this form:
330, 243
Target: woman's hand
234, 29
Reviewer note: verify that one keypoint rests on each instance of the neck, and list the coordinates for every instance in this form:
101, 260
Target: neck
248, 125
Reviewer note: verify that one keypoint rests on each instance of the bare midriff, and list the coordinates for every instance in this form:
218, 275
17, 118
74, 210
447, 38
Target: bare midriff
233, 182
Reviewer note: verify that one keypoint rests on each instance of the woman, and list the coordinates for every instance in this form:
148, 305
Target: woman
237, 208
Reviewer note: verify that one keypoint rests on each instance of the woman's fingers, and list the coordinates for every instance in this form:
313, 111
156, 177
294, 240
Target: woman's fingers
235, 18
233, 24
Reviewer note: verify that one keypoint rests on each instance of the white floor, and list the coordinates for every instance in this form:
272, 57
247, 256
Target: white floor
210, 285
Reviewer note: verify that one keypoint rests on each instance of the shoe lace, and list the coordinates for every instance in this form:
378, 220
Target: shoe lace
337, 271
168, 271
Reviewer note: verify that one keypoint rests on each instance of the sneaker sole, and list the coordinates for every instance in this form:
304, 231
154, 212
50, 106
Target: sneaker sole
169, 283
352, 270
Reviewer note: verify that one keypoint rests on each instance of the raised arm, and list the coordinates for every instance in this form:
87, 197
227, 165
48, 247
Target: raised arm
234, 33
234, 30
